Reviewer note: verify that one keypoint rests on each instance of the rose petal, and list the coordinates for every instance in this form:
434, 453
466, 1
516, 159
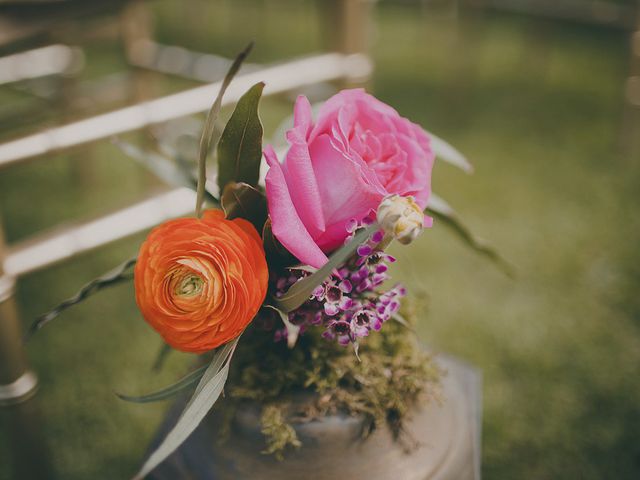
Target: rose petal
345, 191
286, 223
299, 174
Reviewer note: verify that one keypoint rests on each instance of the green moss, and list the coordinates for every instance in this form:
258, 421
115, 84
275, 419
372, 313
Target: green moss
277, 432
319, 377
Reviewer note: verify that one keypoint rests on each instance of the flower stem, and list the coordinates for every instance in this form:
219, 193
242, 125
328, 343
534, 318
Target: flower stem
207, 141
385, 242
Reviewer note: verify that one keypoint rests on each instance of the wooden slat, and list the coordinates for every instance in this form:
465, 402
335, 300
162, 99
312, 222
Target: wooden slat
280, 78
48, 248
44, 250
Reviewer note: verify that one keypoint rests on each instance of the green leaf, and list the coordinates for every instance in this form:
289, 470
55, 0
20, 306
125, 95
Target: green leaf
161, 357
293, 331
277, 255
240, 146
241, 200
112, 277
167, 392
444, 151
205, 396
208, 138
300, 291
442, 211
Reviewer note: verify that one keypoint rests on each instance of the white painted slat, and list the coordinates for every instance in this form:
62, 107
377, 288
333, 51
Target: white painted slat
279, 78
43, 251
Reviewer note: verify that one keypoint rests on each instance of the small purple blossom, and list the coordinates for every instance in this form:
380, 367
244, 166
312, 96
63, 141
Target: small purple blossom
338, 330
350, 303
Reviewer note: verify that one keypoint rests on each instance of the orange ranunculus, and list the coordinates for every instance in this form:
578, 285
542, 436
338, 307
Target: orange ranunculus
199, 282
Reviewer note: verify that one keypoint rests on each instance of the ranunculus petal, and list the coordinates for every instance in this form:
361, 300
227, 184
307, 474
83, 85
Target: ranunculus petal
286, 223
199, 282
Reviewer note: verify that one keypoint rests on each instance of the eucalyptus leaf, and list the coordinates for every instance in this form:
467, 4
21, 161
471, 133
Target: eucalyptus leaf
205, 396
300, 291
241, 200
442, 211
444, 151
112, 277
293, 331
161, 357
219, 358
208, 132
167, 392
240, 146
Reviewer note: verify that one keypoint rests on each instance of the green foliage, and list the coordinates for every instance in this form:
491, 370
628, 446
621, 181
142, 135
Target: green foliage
319, 377
119, 274
300, 291
240, 146
447, 153
244, 201
442, 211
208, 138
167, 392
205, 396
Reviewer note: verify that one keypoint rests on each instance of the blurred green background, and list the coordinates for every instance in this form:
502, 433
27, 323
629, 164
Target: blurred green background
537, 106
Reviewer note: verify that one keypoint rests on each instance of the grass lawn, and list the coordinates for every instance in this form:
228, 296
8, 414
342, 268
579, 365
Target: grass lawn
536, 106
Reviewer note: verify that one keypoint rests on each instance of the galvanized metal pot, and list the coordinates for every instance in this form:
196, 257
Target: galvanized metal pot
447, 436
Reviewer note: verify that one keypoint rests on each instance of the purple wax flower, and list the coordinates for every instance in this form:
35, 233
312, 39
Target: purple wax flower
350, 303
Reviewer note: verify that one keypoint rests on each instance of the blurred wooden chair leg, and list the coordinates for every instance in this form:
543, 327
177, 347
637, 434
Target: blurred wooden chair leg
630, 128
17, 388
136, 34
68, 97
348, 29
136, 38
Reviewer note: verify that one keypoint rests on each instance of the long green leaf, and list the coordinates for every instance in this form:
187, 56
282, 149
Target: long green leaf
161, 357
218, 360
240, 146
440, 209
300, 291
167, 392
112, 277
207, 139
205, 396
444, 151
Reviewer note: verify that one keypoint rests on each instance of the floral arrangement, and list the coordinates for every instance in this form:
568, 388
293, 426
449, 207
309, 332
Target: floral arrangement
296, 270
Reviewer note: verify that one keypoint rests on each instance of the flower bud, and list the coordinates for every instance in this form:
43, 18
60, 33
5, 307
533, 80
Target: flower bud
401, 218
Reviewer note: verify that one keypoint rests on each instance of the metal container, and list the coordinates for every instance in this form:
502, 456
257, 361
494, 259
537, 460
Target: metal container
447, 437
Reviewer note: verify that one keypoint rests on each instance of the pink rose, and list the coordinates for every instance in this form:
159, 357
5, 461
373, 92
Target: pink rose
340, 168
